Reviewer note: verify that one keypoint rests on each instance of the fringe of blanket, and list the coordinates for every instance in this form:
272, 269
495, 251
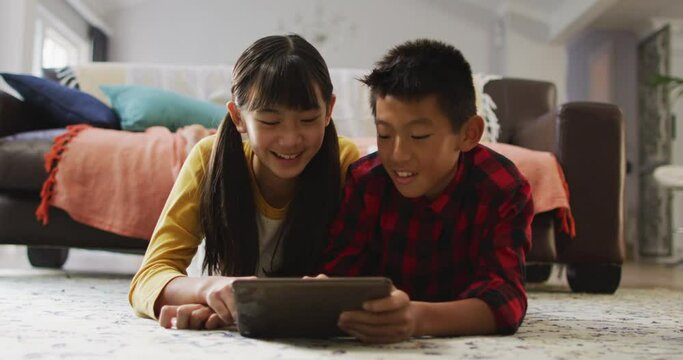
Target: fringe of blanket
52, 159
564, 215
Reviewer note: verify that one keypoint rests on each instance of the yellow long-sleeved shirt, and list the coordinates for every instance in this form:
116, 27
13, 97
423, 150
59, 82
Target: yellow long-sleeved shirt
178, 232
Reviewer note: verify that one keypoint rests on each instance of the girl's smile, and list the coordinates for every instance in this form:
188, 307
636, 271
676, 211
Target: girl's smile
291, 156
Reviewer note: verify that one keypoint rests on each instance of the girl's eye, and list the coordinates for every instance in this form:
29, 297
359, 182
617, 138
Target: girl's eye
421, 137
309, 120
269, 122
383, 137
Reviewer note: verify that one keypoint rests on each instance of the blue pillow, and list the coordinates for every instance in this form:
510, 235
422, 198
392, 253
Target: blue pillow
64, 105
140, 107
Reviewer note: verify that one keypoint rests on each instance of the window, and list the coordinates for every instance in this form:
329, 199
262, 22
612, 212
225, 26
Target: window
56, 45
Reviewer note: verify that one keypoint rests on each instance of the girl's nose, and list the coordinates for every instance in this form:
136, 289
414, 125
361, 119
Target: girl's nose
291, 136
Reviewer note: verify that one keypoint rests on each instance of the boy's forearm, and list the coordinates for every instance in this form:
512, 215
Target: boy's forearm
454, 318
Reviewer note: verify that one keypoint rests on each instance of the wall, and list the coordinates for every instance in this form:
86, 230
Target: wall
677, 143
16, 35
350, 33
532, 59
677, 70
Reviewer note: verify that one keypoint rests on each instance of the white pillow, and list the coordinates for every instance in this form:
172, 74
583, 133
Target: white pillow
203, 82
486, 107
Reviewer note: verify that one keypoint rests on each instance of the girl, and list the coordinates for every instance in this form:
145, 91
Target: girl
262, 206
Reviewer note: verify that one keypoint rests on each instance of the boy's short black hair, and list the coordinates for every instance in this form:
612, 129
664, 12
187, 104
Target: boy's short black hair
419, 68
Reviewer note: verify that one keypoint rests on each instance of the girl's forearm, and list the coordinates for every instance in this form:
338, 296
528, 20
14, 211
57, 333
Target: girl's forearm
461, 317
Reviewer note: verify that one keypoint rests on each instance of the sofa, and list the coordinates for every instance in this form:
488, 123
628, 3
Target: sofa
586, 138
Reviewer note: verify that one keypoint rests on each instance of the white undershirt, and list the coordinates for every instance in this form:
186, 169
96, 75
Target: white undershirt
267, 229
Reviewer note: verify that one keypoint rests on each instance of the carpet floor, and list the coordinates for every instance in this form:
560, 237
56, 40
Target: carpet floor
84, 316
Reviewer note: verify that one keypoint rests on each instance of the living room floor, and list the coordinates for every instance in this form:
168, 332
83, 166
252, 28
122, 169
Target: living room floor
58, 314
13, 258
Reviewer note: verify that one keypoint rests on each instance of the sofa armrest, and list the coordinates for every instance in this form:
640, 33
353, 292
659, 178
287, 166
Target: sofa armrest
16, 116
590, 146
10, 110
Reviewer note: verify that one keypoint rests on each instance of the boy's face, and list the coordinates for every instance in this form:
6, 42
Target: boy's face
417, 145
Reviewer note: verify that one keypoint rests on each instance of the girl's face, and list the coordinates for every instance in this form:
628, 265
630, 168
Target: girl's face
284, 140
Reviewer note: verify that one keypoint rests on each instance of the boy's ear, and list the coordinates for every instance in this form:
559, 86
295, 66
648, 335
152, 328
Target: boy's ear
328, 111
236, 117
471, 133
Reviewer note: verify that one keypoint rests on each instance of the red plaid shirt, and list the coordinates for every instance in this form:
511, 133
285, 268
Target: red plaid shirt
469, 242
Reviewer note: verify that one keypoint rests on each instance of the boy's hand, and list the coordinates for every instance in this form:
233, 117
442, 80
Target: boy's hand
386, 320
190, 316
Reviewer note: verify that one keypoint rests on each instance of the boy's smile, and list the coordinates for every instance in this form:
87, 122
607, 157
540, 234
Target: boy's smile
417, 145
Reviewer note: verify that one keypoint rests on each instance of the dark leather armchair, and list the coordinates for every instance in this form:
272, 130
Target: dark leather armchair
588, 140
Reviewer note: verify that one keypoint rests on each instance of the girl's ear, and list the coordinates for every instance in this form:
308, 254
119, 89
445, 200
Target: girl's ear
471, 132
236, 117
328, 111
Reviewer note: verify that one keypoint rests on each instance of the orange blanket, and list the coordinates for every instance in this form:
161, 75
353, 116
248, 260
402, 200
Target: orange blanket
116, 181
549, 189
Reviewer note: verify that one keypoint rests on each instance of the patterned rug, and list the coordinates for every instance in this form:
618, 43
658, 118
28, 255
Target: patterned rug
78, 316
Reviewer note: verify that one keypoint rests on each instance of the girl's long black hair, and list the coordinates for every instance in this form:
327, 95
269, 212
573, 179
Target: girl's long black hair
274, 71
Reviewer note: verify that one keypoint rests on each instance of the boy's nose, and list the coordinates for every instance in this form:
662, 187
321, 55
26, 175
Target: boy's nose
401, 150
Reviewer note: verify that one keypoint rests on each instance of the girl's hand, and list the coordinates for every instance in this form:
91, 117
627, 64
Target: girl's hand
218, 295
386, 320
190, 316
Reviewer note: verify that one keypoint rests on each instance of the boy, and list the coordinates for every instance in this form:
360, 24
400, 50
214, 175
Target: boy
448, 220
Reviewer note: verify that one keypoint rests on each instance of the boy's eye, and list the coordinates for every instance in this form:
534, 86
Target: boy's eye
421, 137
381, 136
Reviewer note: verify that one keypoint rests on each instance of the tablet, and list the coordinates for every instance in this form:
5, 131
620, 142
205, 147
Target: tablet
301, 308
